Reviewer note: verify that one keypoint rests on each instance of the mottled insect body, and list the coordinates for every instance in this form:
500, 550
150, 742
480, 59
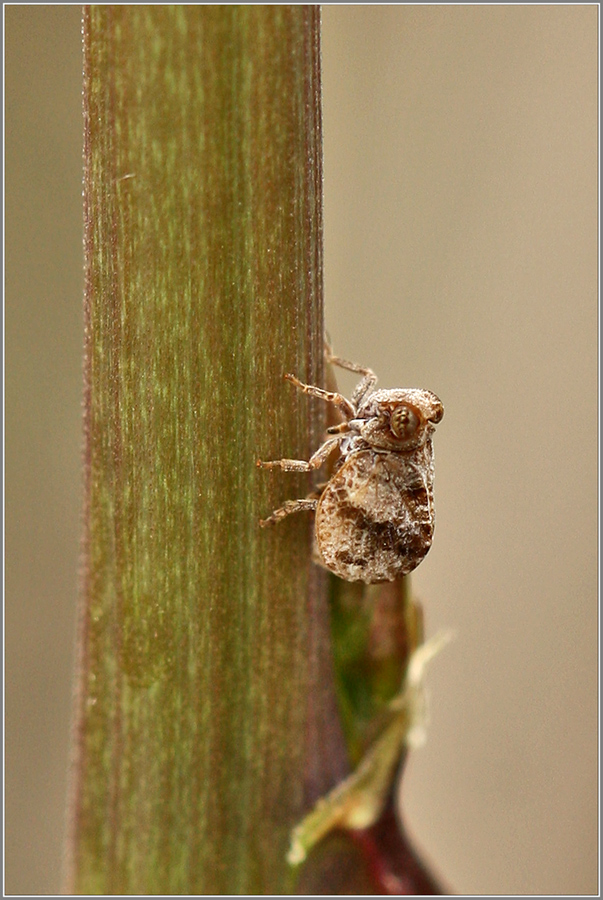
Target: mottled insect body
375, 516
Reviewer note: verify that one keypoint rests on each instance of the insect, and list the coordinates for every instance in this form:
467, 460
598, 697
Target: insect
374, 518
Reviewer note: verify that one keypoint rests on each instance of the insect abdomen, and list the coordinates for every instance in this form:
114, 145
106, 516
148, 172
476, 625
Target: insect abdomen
374, 521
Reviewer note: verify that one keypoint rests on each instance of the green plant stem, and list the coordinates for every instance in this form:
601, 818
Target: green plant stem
205, 717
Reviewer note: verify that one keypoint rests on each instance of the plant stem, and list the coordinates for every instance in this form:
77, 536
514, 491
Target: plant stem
205, 717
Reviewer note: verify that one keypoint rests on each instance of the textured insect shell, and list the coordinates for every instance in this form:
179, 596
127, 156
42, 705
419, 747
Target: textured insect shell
375, 517
426, 402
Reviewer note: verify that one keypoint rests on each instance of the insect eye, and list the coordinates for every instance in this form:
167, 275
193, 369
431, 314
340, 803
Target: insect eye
437, 416
403, 422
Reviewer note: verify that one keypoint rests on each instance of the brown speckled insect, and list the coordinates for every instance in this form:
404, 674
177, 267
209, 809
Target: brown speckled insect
375, 516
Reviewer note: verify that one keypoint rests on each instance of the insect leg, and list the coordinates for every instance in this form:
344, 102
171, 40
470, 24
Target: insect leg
291, 506
300, 465
364, 387
329, 396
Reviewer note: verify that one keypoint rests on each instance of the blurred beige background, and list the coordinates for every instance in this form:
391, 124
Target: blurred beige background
461, 255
